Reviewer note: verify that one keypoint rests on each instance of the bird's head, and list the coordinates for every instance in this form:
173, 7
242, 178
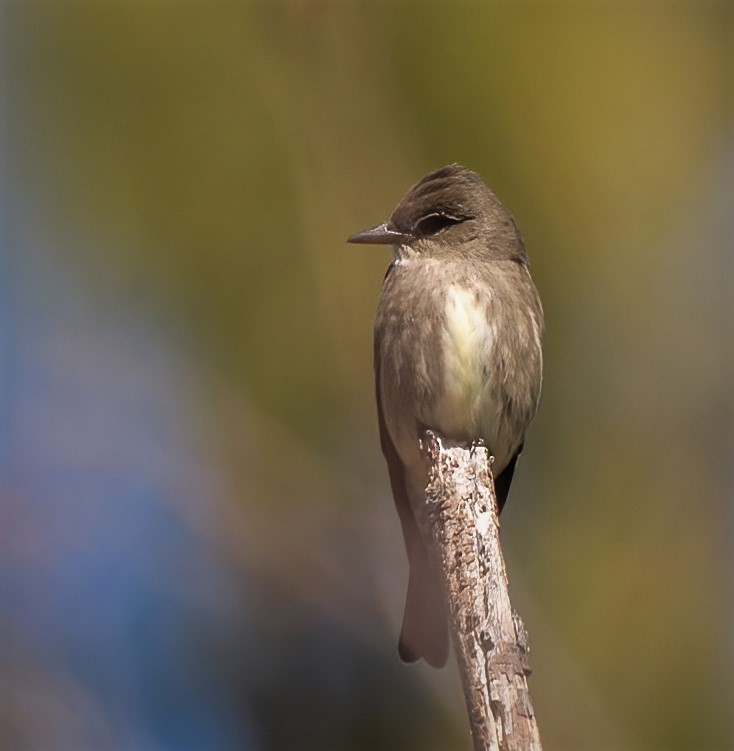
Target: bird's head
450, 211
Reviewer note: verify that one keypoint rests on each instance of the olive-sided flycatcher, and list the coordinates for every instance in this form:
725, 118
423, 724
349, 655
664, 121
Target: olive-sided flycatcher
457, 350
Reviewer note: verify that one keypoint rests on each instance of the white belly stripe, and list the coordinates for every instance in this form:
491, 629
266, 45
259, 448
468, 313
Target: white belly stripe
467, 344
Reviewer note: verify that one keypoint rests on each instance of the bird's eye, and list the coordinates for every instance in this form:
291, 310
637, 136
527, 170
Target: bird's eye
433, 223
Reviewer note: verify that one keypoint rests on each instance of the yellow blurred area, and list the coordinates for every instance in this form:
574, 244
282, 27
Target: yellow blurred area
201, 164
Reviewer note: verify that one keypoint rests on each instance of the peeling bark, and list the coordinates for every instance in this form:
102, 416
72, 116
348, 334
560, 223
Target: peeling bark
489, 638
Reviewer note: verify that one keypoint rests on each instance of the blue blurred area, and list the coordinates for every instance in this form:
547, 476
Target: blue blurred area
107, 591
129, 624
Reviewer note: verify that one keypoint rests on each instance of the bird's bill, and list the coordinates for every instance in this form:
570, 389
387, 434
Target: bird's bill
382, 234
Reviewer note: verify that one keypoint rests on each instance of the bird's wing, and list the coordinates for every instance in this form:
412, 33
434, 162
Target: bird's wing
503, 481
425, 624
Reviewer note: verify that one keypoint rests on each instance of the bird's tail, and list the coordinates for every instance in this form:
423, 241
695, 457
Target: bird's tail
425, 623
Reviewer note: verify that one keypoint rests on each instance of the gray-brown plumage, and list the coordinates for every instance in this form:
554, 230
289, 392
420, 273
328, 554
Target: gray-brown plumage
458, 350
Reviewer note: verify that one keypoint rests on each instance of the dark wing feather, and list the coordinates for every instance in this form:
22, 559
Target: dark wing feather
503, 482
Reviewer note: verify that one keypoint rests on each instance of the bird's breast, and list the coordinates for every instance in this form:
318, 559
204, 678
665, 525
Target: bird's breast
467, 340
459, 352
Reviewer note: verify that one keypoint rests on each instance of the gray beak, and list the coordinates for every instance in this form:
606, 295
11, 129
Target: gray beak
382, 234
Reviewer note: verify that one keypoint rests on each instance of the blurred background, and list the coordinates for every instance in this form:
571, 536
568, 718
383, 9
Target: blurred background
199, 547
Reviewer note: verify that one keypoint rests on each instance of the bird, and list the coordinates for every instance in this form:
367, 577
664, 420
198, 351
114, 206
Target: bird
458, 350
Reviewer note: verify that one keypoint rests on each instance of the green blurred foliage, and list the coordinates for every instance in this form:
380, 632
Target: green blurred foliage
207, 161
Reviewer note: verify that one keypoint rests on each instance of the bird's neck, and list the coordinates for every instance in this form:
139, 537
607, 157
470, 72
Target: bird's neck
402, 255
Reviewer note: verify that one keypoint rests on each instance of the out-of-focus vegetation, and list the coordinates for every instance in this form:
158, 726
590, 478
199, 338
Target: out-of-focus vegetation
200, 543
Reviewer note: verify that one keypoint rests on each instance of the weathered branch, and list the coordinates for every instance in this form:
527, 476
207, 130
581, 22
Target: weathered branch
489, 637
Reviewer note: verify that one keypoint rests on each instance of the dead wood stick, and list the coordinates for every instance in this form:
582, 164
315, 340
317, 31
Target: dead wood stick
489, 637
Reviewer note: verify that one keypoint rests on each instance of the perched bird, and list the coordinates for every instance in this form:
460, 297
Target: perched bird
457, 350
